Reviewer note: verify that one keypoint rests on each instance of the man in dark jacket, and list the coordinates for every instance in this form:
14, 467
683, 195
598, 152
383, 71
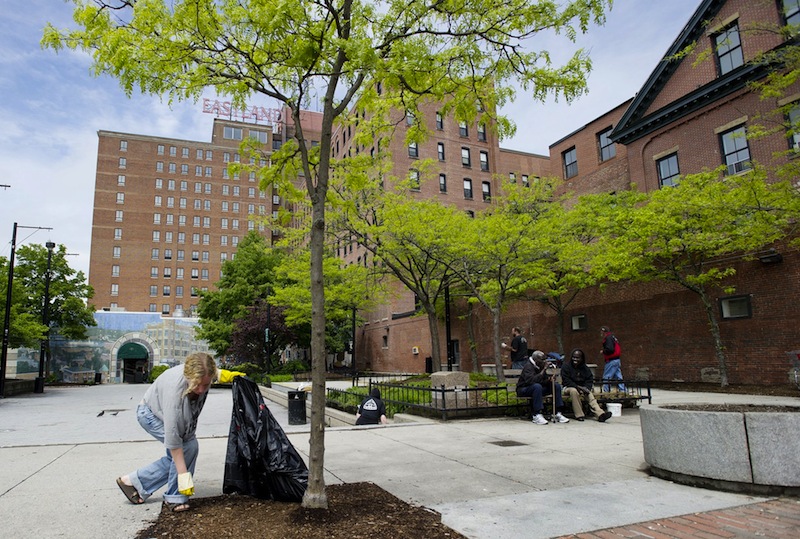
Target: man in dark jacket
578, 379
535, 382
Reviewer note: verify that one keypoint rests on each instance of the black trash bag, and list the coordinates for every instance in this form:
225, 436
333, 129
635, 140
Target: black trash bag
260, 462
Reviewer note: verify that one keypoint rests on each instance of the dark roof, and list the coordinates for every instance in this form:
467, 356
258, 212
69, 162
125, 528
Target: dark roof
634, 124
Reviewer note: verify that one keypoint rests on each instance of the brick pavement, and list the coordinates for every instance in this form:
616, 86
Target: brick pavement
774, 519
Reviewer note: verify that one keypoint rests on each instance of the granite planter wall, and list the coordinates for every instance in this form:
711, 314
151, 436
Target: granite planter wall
747, 448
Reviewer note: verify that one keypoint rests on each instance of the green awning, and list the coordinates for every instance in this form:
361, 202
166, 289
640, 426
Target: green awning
132, 350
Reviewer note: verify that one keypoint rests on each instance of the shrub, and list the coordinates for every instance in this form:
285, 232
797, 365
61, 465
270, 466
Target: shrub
155, 372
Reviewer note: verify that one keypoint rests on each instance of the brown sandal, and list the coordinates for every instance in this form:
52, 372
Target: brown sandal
179, 507
130, 492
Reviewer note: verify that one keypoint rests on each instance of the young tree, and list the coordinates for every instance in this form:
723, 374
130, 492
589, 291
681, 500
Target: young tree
498, 257
245, 279
687, 234
468, 53
24, 328
259, 333
574, 243
410, 238
68, 311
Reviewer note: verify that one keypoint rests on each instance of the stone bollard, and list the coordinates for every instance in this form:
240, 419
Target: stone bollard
451, 380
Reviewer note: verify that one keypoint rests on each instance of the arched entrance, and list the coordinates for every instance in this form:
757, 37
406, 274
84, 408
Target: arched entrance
134, 358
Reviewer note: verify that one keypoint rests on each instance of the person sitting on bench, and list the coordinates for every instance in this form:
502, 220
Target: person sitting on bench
578, 379
535, 382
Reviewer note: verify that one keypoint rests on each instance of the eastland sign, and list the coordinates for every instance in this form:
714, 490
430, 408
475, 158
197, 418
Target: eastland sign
249, 113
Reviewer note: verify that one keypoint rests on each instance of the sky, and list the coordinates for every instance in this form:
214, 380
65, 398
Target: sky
52, 106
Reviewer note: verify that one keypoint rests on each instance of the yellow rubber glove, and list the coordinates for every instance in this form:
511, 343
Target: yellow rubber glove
226, 377
185, 484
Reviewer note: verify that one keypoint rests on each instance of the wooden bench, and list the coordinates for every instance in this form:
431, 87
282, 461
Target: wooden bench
635, 392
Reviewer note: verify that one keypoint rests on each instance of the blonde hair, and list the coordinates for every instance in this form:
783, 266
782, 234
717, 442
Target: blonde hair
198, 366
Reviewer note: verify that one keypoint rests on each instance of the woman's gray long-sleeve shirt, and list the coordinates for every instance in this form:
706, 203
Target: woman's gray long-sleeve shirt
178, 412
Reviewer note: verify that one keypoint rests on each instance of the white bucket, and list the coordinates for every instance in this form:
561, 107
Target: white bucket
615, 408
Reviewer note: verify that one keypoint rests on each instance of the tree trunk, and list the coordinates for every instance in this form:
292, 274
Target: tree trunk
433, 325
498, 359
315, 496
719, 348
473, 347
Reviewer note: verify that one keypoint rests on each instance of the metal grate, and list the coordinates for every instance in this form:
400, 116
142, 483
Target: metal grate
507, 443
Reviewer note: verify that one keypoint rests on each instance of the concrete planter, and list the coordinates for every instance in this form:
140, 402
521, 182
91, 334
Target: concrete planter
749, 451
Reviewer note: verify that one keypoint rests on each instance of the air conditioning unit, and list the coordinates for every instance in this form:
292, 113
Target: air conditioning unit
415, 350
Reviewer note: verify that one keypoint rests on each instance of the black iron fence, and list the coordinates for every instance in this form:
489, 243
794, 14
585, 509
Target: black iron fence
447, 403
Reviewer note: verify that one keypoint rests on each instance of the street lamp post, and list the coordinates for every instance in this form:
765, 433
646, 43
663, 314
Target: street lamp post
39, 384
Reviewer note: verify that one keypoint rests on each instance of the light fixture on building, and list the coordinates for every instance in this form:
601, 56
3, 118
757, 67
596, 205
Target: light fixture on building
770, 257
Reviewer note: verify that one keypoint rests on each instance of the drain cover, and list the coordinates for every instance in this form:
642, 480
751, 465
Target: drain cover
507, 443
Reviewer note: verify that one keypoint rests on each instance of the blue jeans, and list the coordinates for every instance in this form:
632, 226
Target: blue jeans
536, 391
155, 475
613, 371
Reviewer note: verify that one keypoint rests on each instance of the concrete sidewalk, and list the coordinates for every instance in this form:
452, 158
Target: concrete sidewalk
488, 478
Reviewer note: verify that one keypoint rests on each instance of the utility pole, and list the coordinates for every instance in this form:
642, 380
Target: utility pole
7, 319
39, 383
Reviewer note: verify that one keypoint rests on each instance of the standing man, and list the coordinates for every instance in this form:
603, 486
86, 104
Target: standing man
519, 349
611, 353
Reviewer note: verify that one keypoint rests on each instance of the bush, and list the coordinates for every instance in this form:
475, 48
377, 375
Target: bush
155, 372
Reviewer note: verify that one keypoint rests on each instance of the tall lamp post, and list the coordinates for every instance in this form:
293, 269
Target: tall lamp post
39, 384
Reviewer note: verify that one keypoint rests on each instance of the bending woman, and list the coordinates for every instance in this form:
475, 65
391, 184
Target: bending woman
168, 412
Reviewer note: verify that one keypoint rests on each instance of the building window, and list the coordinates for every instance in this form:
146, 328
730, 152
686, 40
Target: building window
167, 254
482, 132
198, 170
173, 151
185, 153
440, 150
413, 151
484, 161
442, 183
165, 308
185, 169
463, 130
195, 273
728, 47
525, 182
179, 291
116, 252
791, 11
607, 147
115, 290
121, 180
154, 272
487, 191
115, 270
409, 119
157, 201
120, 198
465, 157
160, 149
232, 133
159, 183
156, 236
123, 162
117, 233
668, 170
413, 179
794, 125
439, 121
209, 155
467, 188
736, 150
208, 172
570, 160
580, 322
172, 168
184, 185
735, 307
512, 177
154, 253
118, 216
179, 273
153, 290
166, 290
260, 136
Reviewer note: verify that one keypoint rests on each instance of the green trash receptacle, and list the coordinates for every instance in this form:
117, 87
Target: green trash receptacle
297, 407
